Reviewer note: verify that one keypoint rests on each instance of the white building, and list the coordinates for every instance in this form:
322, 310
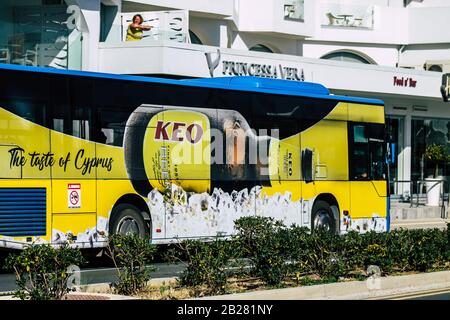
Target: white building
351, 46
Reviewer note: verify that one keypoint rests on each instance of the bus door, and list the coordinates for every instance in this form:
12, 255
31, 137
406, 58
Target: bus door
368, 186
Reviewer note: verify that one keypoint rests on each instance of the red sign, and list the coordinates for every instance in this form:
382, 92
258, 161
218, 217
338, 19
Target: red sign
404, 82
74, 195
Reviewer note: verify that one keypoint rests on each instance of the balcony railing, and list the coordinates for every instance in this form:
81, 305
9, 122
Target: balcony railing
294, 10
347, 16
166, 25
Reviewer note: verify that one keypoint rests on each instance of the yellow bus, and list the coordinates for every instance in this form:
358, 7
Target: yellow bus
85, 155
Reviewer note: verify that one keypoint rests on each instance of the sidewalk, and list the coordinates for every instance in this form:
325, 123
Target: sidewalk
352, 290
420, 223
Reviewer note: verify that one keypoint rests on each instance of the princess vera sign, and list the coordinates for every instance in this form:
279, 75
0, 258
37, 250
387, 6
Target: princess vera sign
220, 64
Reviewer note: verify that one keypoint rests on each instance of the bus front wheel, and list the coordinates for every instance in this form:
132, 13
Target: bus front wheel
127, 219
322, 217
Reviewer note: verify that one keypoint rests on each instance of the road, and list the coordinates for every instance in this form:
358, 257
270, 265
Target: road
100, 275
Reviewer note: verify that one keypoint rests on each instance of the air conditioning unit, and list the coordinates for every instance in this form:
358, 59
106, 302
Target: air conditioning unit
438, 66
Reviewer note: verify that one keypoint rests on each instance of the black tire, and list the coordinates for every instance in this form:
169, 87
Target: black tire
126, 219
322, 217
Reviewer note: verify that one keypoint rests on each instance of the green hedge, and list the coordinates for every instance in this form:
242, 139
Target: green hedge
130, 255
43, 272
277, 253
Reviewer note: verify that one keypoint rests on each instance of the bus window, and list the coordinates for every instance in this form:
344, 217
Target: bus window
25, 95
59, 111
80, 129
81, 107
377, 148
360, 156
111, 123
279, 117
367, 152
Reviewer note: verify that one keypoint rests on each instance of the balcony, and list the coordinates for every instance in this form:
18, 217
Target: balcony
337, 15
281, 17
294, 10
166, 25
205, 8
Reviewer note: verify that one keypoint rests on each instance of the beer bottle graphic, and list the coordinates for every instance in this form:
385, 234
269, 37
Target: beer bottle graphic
202, 149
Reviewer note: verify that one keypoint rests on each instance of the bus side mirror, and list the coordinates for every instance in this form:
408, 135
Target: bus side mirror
445, 87
307, 167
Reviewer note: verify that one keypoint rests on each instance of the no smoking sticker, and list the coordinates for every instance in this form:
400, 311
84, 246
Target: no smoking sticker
74, 195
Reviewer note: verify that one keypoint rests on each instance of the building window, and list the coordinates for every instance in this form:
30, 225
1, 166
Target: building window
347, 57
426, 132
194, 38
261, 48
37, 33
395, 138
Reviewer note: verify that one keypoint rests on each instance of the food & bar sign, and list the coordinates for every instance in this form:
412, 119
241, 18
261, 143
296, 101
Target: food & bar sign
405, 82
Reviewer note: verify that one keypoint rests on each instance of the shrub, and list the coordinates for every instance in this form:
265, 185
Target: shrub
297, 252
42, 272
427, 249
353, 251
324, 255
130, 255
207, 264
275, 252
266, 243
376, 251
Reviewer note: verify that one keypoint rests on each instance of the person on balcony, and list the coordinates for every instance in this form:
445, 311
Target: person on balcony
136, 28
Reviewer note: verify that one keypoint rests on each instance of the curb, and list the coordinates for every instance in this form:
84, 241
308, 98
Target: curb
105, 288
354, 290
83, 296
101, 290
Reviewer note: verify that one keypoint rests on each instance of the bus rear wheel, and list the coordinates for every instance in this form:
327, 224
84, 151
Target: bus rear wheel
323, 217
127, 219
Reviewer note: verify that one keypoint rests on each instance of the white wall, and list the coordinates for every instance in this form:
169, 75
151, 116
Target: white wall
417, 55
386, 56
90, 10
268, 16
244, 41
429, 25
190, 61
208, 30
222, 8
390, 27
252, 22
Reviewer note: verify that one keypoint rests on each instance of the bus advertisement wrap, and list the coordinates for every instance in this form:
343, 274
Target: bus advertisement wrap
187, 171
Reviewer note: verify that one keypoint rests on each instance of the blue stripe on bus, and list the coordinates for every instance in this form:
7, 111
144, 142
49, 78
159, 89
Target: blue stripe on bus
22, 190
250, 84
388, 213
17, 233
23, 211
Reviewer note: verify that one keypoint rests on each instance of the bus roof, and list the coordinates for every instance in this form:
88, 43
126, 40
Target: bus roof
249, 84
